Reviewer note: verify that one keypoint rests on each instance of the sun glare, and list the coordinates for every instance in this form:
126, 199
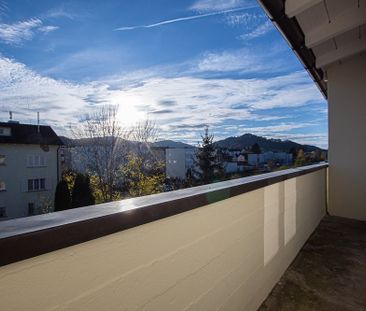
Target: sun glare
129, 112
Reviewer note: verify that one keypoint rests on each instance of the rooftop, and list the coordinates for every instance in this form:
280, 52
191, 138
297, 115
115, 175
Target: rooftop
29, 134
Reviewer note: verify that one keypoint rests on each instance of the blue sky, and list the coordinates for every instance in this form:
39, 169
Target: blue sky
185, 64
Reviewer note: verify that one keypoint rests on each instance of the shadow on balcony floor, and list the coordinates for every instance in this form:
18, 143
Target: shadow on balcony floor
329, 273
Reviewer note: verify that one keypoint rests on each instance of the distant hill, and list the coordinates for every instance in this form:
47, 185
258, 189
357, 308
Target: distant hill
171, 144
238, 143
70, 142
247, 140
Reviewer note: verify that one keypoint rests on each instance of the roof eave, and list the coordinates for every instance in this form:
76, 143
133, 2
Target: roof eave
293, 34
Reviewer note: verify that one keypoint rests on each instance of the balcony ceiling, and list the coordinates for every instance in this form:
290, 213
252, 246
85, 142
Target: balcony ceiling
333, 29
320, 32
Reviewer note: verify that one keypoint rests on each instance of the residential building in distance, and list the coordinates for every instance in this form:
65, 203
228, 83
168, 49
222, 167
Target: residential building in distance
178, 161
29, 169
282, 158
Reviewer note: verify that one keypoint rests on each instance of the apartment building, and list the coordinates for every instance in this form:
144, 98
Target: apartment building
29, 169
178, 161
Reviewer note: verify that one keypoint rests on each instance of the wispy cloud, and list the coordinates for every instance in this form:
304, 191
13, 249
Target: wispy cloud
3, 8
60, 12
245, 19
259, 31
178, 20
220, 5
47, 29
180, 114
16, 33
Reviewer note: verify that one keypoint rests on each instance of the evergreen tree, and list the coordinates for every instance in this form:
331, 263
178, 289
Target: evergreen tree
208, 167
256, 149
300, 159
81, 193
293, 151
62, 196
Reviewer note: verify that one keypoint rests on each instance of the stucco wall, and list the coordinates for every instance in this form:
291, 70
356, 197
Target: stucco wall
347, 138
15, 173
223, 256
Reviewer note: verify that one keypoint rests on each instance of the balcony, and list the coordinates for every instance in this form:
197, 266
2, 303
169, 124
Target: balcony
222, 246
242, 244
329, 272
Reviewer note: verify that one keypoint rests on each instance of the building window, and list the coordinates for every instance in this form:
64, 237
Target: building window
2, 159
5, 131
2, 186
30, 209
36, 160
2, 212
36, 184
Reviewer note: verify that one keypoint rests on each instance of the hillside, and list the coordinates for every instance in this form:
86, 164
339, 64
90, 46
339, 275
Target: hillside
171, 144
238, 143
247, 140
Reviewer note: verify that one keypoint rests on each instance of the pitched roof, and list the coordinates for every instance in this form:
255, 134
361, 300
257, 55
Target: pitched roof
29, 134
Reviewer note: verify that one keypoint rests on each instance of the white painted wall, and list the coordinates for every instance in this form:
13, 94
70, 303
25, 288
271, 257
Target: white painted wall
347, 138
224, 256
178, 161
15, 173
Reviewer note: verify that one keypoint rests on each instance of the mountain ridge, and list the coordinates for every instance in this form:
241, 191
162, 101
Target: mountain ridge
234, 142
266, 144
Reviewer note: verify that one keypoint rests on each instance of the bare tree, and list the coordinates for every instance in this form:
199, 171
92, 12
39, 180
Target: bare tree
103, 142
143, 172
145, 133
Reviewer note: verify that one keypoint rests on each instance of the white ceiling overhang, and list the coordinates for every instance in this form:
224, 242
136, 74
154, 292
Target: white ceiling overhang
329, 30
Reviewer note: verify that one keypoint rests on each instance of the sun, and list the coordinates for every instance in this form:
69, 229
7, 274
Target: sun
128, 110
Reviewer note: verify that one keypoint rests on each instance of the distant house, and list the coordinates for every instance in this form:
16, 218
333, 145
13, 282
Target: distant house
29, 169
261, 159
178, 161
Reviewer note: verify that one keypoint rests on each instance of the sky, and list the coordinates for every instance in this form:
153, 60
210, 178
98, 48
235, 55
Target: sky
185, 64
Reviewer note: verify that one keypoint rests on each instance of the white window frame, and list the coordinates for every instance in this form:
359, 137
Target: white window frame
36, 160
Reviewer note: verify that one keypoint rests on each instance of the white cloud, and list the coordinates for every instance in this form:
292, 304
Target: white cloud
47, 29
181, 105
240, 60
60, 12
219, 5
18, 32
176, 20
243, 19
259, 31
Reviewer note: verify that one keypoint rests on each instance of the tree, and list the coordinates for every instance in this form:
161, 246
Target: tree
208, 167
104, 146
81, 193
256, 149
293, 151
142, 182
145, 133
300, 158
62, 196
143, 170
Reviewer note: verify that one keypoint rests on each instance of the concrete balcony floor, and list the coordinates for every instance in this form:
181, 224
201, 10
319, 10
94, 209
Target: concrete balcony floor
329, 273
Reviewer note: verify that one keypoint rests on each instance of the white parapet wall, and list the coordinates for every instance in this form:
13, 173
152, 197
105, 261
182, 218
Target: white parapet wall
224, 256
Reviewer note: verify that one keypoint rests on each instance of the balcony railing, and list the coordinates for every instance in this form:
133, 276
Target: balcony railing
215, 247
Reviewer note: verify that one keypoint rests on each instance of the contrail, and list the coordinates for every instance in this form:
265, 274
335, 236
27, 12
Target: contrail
180, 19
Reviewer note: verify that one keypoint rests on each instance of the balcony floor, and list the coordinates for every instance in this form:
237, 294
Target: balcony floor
329, 273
